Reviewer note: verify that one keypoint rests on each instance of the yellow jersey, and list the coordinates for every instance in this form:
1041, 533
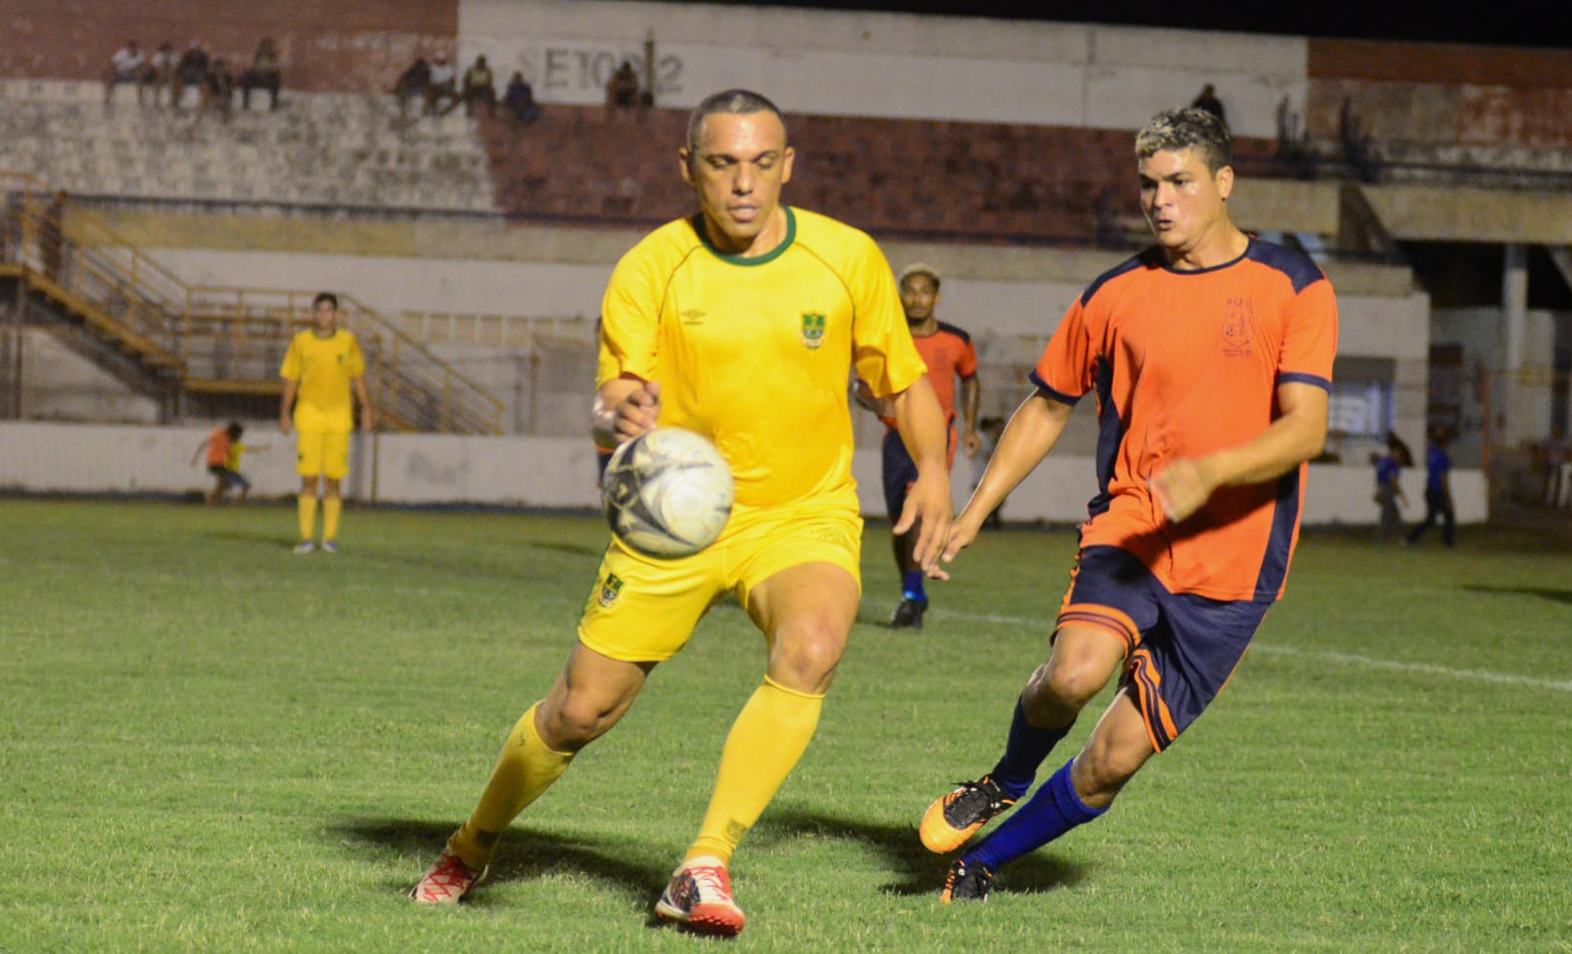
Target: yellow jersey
755, 353
323, 368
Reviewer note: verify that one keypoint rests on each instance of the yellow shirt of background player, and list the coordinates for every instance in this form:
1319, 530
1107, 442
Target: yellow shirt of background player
755, 353
323, 367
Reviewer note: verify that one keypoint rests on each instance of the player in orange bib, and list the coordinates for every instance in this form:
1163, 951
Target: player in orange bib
1210, 356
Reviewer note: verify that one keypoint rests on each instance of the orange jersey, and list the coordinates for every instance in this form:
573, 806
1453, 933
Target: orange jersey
1184, 364
948, 353
218, 447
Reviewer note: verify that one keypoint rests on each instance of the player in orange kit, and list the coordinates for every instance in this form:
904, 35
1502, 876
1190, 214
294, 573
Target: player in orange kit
1210, 355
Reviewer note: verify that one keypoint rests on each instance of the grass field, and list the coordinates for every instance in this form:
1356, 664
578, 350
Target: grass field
213, 745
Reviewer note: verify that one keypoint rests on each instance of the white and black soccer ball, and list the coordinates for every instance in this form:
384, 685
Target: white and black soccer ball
667, 493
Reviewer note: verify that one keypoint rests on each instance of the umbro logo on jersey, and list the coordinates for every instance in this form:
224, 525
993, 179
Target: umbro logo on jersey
692, 316
1238, 330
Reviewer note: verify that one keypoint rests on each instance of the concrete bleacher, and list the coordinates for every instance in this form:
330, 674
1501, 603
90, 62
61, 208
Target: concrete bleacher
344, 150
892, 177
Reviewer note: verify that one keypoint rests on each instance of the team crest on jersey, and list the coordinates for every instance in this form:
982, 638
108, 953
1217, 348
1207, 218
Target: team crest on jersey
1238, 320
812, 329
609, 588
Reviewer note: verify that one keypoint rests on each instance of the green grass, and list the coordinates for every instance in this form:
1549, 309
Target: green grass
211, 745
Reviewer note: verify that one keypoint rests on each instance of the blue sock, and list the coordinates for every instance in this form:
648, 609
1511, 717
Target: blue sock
1024, 751
911, 586
1054, 810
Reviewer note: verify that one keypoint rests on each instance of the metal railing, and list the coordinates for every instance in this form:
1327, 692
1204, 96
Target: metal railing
213, 339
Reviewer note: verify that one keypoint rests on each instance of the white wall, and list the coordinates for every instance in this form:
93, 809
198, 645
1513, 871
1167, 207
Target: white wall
889, 65
532, 472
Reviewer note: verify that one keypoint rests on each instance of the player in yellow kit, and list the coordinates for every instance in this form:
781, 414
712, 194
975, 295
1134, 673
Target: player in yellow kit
321, 368
741, 323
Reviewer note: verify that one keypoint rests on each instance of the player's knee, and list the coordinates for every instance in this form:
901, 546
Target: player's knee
1068, 681
575, 721
805, 656
1102, 771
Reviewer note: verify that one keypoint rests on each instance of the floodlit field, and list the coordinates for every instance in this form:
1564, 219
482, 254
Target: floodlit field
212, 745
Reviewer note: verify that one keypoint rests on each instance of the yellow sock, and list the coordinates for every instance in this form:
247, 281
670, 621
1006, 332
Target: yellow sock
765, 743
330, 509
525, 769
308, 515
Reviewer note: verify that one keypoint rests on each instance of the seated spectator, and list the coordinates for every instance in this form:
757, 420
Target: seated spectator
479, 88
191, 70
412, 83
442, 86
218, 90
1207, 100
128, 65
622, 89
161, 72
263, 73
519, 98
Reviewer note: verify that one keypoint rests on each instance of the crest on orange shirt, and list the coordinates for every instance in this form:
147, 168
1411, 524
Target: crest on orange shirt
1238, 322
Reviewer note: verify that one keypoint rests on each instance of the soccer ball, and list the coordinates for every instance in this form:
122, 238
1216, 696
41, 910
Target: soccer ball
667, 493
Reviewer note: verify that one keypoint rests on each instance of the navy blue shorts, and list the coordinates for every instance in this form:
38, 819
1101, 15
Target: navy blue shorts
231, 478
900, 471
1180, 648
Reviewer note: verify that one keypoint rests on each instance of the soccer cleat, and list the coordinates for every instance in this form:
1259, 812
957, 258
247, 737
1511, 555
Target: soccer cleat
448, 881
304, 546
699, 898
966, 882
955, 817
908, 615
328, 546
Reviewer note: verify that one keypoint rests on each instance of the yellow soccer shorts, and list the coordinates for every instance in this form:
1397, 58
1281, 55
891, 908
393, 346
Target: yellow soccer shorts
322, 454
643, 609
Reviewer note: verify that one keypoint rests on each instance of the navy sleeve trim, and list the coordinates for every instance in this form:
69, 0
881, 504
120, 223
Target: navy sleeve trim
1054, 393
1295, 377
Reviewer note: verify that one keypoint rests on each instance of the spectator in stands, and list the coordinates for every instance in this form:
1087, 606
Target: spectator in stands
161, 72
412, 84
218, 90
263, 73
1207, 100
1556, 455
191, 70
622, 89
1356, 142
128, 65
442, 86
519, 98
479, 88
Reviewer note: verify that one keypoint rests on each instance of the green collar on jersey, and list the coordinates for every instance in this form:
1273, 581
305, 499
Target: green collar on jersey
770, 256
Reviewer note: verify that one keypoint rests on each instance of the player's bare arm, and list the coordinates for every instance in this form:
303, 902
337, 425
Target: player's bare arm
287, 405
971, 391
625, 407
368, 415
1033, 430
1184, 485
922, 427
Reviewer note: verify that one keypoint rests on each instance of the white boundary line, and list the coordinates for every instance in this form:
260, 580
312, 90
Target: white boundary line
1347, 659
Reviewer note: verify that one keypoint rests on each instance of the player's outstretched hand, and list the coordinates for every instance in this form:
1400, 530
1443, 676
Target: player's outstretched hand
928, 509
639, 411
1182, 487
962, 532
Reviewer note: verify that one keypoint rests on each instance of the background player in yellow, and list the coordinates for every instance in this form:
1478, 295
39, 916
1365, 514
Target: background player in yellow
321, 368
742, 323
